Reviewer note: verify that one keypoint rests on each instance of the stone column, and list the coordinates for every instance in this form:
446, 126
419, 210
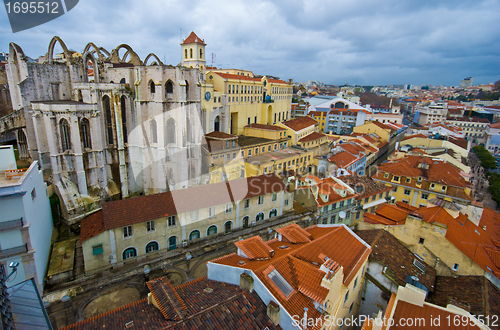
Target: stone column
76, 145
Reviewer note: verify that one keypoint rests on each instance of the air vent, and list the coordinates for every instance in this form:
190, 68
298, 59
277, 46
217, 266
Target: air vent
208, 290
420, 266
241, 262
284, 247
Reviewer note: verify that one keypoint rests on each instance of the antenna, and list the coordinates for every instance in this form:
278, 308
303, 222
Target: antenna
180, 34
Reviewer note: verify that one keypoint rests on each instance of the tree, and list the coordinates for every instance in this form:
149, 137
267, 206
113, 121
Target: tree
497, 86
487, 160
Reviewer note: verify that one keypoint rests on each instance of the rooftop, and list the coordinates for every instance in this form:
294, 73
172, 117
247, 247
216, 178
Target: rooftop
300, 123
298, 264
368, 186
266, 127
199, 304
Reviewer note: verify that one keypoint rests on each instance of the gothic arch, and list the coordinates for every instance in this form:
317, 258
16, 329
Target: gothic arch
86, 56
134, 58
52, 44
96, 49
158, 62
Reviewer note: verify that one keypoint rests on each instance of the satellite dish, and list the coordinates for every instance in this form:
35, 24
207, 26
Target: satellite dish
342, 214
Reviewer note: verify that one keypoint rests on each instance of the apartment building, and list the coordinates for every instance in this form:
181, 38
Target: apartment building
474, 128
286, 160
299, 128
25, 219
334, 200
418, 180
133, 229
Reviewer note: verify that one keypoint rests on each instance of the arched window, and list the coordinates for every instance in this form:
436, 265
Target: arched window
85, 133
195, 234
65, 137
152, 246
123, 81
152, 87
170, 132
246, 221
123, 105
212, 230
169, 87
185, 53
273, 213
228, 226
109, 118
191, 52
259, 217
187, 91
154, 134
129, 253
217, 124
172, 243
201, 53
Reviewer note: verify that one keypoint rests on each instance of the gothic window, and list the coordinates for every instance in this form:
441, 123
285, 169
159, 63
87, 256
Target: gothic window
124, 118
85, 133
187, 91
154, 134
123, 81
109, 118
169, 87
65, 137
170, 131
217, 124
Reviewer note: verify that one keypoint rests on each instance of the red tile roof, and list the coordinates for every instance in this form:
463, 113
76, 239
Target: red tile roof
220, 135
255, 248
301, 123
139, 209
343, 159
294, 234
312, 137
192, 38
205, 305
299, 264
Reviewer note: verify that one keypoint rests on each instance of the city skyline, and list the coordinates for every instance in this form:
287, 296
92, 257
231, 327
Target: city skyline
336, 42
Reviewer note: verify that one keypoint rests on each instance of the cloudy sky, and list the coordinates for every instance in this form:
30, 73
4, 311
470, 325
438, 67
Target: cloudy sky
363, 42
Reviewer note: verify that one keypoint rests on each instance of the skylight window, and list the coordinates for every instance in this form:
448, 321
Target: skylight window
280, 282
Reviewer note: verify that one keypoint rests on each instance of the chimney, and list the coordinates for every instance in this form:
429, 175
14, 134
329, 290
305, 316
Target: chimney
246, 282
273, 311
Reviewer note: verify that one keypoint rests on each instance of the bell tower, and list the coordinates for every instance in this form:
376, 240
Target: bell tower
193, 52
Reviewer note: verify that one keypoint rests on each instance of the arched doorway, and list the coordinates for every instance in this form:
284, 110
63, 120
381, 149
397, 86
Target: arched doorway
246, 221
228, 226
217, 124
172, 243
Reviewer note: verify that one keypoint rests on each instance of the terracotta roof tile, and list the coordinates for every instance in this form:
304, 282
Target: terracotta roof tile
94, 225
311, 137
220, 135
255, 248
192, 38
294, 234
298, 124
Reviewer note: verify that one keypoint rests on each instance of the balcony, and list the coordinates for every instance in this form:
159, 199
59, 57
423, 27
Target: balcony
14, 251
11, 225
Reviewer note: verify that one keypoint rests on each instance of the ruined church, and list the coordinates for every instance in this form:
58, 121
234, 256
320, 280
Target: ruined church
107, 126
